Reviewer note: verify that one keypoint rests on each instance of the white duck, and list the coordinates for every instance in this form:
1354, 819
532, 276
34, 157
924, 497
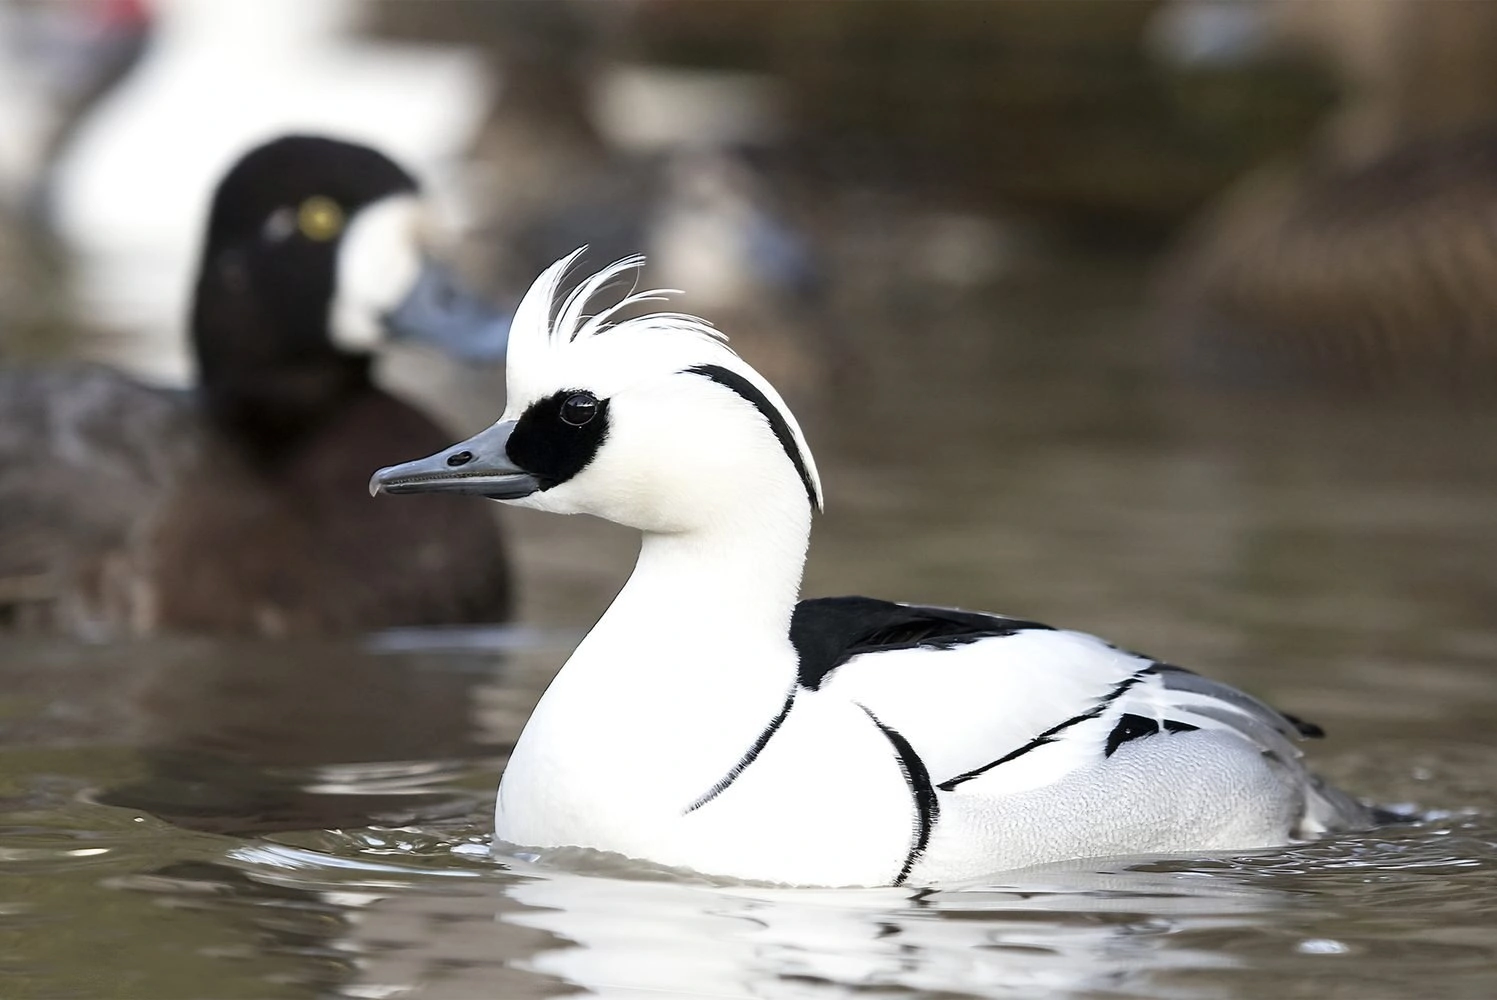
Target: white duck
711, 722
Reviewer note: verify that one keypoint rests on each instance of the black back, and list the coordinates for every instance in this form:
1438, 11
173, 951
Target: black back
829, 631
268, 368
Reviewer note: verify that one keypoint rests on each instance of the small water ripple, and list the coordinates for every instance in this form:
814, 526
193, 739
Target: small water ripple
1149, 927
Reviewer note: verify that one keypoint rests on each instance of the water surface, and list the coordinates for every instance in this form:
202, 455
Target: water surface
187, 818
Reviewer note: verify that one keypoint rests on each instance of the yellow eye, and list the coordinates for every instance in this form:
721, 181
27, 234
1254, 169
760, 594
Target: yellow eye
319, 218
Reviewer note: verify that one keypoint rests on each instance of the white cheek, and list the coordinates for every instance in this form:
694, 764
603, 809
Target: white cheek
658, 473
379, 260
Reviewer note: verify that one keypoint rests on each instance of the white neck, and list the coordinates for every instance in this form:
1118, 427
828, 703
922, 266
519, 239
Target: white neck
728, 581
673, 684
705, 614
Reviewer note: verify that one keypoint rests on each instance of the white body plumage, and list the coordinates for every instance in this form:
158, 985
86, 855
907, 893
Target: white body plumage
707, 722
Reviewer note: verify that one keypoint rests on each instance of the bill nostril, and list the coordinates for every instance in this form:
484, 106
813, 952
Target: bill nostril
461, 458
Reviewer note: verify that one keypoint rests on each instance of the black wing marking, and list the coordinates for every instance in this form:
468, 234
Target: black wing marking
1209, 703
1050, 735
1136, 727
917, 777
829, 631
1307, 729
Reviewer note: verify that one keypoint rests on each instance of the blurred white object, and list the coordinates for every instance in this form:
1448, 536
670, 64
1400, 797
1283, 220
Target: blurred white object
130, 190
23, 112
690, 198
962, 250
55, 58
1219, 33
715, 233
645, 109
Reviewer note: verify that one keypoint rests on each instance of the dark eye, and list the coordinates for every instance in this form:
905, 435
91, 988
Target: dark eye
579, 408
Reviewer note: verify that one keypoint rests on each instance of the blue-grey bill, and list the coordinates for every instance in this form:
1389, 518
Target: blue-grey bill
479, 466
440, 312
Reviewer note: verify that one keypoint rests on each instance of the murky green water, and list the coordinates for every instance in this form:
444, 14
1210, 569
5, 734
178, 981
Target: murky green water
187, 818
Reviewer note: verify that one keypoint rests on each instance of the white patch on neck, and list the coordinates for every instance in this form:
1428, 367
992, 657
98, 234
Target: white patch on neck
379, 260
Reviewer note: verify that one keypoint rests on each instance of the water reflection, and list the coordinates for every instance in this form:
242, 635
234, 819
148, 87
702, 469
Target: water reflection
1054, 934
253, 737
469, 929
427, 912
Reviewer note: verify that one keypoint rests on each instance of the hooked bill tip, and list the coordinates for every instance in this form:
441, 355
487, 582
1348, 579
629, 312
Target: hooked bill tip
375, 486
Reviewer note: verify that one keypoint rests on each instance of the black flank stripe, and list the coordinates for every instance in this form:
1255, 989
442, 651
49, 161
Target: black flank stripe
917, 776
731, 379
747, 759
1049, 735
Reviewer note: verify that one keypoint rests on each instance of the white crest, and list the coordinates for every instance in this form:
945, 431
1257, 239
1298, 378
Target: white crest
546, 321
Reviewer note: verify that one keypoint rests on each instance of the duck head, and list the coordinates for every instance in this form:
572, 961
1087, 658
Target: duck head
316, 250
333, 240
649, 421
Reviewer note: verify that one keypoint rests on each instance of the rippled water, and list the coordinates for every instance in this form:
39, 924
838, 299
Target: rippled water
186, 818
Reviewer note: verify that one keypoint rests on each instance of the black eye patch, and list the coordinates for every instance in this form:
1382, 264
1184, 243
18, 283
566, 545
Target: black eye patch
548, 441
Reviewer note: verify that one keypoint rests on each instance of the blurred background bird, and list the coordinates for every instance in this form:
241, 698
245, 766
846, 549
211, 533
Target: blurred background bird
234, 507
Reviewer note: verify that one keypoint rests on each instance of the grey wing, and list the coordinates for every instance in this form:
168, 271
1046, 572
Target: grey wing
86, 456
1213, 705
1209, 704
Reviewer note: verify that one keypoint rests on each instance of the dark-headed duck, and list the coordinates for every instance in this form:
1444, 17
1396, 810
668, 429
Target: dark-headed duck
239, 507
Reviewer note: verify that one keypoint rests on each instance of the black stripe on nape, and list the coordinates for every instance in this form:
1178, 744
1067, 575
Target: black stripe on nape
748, 758
777, 422
917, 777
1049, 735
